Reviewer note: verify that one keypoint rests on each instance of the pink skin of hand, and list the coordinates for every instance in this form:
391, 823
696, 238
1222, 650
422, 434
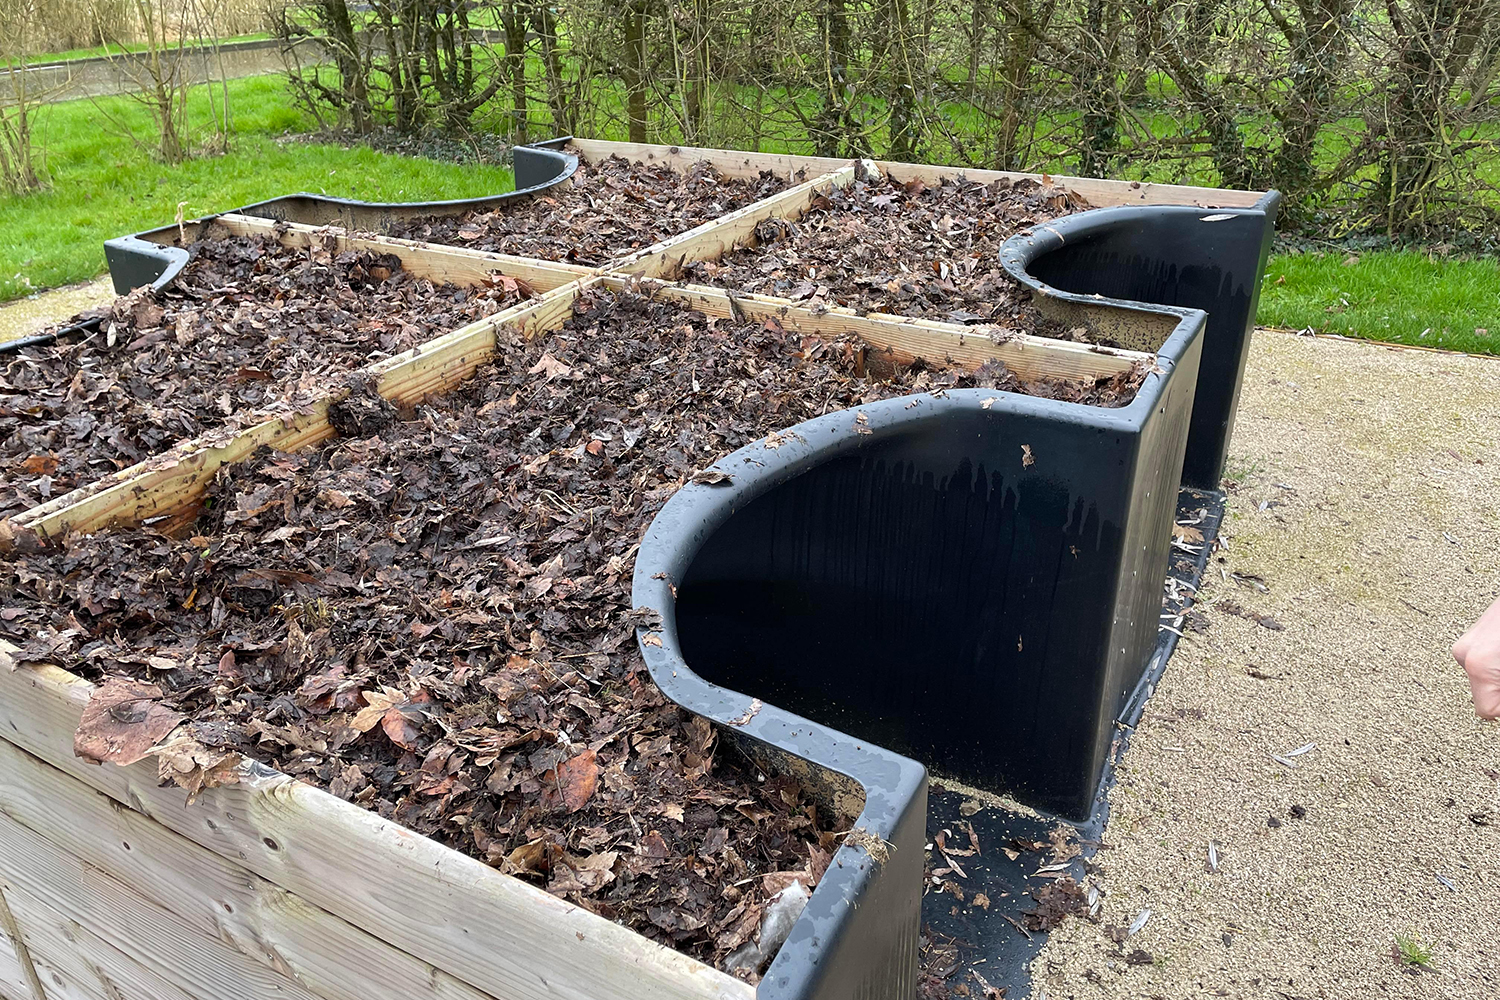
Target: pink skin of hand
1478, 652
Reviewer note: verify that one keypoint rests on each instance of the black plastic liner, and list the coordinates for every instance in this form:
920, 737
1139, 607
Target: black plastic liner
1209, 259
972, 579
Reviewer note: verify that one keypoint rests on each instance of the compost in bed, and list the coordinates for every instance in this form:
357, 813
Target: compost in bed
430, 616
906, 248
610, 210
248, 323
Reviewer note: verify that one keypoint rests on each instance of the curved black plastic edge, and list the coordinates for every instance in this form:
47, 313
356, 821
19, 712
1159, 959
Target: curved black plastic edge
858, 937
135, 261
1209, 259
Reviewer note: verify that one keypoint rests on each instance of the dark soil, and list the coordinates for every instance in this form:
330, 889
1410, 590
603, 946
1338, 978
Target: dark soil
432, 617
905, 249
611, 210
246, 324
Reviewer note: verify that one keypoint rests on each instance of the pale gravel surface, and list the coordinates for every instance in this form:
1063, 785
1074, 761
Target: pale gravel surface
1381, 449
27, 316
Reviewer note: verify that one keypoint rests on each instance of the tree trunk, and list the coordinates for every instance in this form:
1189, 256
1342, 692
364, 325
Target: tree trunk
830, 132
514, 22
633, 67
901, 93
544, 23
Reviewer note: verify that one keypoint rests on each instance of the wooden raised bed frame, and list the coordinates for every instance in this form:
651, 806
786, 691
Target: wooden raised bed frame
112, 888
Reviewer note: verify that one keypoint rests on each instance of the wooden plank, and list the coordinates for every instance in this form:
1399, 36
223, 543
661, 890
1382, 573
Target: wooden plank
712, 239
165, 484
907, 339
76, 963
193, 963
494, 932
1101, 193
213, 896
455, 265
18, 972
57, 982
13, 982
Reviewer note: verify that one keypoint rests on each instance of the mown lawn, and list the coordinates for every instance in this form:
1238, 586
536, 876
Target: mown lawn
104, 185
1404, 296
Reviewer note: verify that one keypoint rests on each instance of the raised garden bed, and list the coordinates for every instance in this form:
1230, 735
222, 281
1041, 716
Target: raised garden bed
249, 323
296, 891
905, 248
607, 211
486, 691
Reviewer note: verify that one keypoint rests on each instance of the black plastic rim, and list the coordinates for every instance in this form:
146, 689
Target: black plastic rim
858, 936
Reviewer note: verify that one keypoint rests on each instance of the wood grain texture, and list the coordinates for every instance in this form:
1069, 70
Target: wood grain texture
58, 981
493, 932
212, 896
1101, 193
76, 963
907, 339
188, 961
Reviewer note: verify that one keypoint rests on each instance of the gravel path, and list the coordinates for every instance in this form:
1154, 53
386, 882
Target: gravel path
1368, 502
27, 316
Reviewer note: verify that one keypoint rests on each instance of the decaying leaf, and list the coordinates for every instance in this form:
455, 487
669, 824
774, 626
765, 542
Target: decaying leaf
123, 720
571, 783
195, 767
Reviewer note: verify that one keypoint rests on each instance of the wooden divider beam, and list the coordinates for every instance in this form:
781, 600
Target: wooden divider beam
733, 163
908, 339
716, 237
168, 483
490, 931
435, 262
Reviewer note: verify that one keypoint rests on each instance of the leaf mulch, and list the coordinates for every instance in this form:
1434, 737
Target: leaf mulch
248, 323
902, 248
611, 209
431, 616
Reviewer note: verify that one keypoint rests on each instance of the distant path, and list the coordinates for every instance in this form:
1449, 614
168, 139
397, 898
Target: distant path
99, 76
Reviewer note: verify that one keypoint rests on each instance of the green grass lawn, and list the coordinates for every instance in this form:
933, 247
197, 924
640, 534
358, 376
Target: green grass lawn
103, 185
1403, 296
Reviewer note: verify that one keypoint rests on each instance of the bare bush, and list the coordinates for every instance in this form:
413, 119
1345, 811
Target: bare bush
20, 168
178, 49
1368, 114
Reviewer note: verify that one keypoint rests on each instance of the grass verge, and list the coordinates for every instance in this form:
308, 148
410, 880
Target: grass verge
104, 185
1401, 296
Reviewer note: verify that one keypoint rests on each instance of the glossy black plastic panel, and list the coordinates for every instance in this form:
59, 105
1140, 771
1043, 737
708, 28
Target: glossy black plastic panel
971, 579
1209, 259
